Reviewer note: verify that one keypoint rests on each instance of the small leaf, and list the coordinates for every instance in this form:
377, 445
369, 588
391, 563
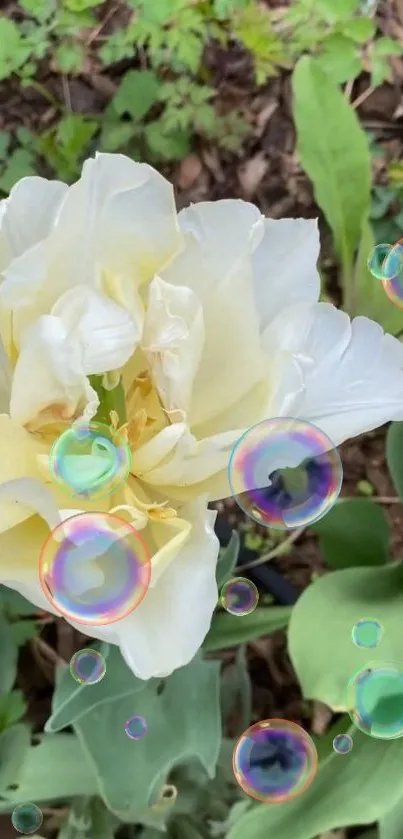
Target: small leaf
340, 58
230, 630
359, 29
354, 532
137, 92
385, 47
334, 152
20, 164
227, 560
70, 57
394, 455
333, 12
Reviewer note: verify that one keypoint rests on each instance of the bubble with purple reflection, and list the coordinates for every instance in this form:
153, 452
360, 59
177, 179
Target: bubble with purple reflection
285, 473
275, 760
239, 596
136, 728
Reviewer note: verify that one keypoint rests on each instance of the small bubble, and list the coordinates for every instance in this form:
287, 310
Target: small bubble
136, 728
26, 818
239, 596
367, 633
87, 666
342, 744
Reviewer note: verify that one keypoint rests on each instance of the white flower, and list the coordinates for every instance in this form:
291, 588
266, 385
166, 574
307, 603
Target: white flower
211, 319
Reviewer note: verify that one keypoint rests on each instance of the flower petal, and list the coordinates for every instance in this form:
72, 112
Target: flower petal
172, 341
105, 331
27, 215
18, 460
284, 266
170, 624
49, 376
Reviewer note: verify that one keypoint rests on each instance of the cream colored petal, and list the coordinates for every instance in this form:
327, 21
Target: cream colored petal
284, 266
158, 449
49, 376
172, 341
104, 331
170, 624
27, 216
18, 460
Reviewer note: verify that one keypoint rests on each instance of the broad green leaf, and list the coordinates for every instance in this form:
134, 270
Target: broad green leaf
354, 532
12, 708
15, 604
334, 152
8, 657
71, 700
131, 772
394, 455
230, 630
390, 826
54, 770
14, 745
357, 788
227, 560
370, 298
236, 690
88, 818
137, 92
322, 621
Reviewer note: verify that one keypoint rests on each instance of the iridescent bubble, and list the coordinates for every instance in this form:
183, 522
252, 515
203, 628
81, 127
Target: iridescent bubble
376, 260
342, 744
136, 728
239, 596
367, 633
275, 760
26, 818
393, 281
87, 666
285, 473
95, 568
90, 460
375, 700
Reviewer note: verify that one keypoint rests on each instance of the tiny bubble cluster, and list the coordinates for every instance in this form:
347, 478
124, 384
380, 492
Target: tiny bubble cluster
375, 700
90, 460
285, 473
87, 666
367, 633
342, 744
26, 818
136, 728
239, 596
95, 568
275, 760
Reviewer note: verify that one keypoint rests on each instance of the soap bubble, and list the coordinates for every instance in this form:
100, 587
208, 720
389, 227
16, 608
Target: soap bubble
90, 460
367, 632
87, 666
285, 473
375, 700
376, 260
342, 744
136, 728
239, 596
26, 818
275, 760
95, 568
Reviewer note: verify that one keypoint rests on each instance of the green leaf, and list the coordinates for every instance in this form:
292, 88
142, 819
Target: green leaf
116, 135
70, 57
354, 532
394, 455
339, 58
88, 818
109, 400
385, 47
137, 92
12, 708
71, 700
332, 12
5, 138
230, 630
322, 621
130, 773
14, 604
236, 691
8, 657
370, 298
390, 826
14, 745
13, 49
227, 560
20, 164
334, 152
74, 132
23, 631
355, 789
360, 29
170, 145
56, 769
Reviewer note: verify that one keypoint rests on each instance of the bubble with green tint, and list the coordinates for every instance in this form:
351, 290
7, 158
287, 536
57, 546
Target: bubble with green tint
26, 818
375, 700
367, 633
90, 460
